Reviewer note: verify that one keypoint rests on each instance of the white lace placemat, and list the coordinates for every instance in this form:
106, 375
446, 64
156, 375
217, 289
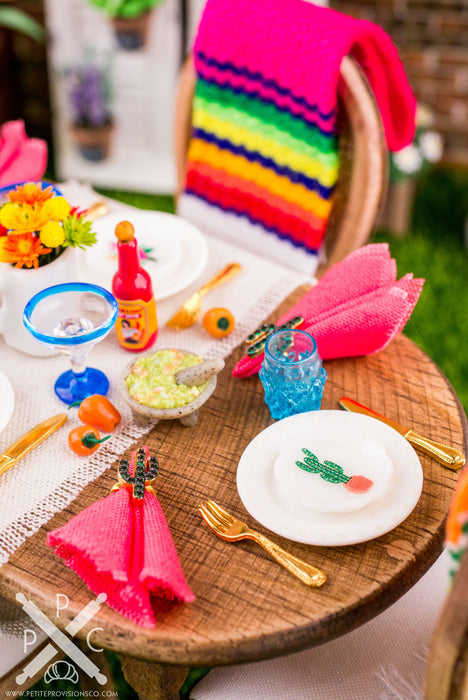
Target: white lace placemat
51, 476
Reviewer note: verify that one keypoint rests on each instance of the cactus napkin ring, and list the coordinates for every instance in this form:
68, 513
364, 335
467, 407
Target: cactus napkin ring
257, 339
139, 475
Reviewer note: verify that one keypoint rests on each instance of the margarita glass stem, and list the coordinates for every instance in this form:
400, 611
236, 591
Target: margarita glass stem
78, 360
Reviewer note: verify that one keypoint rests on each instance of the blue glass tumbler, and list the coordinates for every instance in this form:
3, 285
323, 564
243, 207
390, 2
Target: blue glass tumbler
292, 374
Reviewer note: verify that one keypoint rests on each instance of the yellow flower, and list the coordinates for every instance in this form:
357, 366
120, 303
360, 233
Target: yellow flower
52, 234
22, 249
23, 218
30, 193
9, 215
57, 208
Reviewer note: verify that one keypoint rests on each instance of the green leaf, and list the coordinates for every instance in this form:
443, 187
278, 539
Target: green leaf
125, 8
78, 233
13, 18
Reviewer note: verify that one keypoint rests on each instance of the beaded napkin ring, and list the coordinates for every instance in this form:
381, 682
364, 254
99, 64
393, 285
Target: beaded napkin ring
144, 472
258, 338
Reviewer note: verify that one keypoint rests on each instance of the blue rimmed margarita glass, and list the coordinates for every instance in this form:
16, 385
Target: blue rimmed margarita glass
73, 317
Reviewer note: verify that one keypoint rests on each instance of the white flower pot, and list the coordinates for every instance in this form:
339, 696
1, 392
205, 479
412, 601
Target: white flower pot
17, 286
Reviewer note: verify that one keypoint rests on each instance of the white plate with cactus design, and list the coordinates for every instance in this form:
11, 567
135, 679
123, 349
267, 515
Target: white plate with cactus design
329, 478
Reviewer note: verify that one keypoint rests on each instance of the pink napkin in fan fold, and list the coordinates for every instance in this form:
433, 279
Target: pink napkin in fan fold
125, 551
368, 326
21, 158
357, 308
362, 271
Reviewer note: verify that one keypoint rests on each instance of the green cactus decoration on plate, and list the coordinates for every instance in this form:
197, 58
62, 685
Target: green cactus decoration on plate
329, 471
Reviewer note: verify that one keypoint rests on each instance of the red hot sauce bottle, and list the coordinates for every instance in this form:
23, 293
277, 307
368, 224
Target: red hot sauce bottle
137, 323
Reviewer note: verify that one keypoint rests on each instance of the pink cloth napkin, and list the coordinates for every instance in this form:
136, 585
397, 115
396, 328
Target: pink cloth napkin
296, 48
357, 307
124, 549
21, 158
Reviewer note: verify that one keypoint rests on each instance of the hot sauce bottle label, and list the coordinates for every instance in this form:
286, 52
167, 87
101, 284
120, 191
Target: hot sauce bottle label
136, 323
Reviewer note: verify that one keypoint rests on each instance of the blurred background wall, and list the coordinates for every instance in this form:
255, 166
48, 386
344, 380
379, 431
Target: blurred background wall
432, 38
431, 35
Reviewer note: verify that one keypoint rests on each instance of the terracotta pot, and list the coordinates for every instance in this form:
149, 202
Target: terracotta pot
93, 143
132, 32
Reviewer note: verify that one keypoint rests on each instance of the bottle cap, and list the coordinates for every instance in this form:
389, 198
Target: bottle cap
125, 231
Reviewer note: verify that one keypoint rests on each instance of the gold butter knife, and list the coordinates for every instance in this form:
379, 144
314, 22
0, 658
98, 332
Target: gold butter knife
30, 440
450, 457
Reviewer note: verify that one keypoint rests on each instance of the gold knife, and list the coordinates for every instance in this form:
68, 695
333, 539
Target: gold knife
450, 457
28, 441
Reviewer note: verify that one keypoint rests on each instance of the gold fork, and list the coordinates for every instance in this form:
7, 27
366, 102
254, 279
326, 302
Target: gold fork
190, 311
231, 529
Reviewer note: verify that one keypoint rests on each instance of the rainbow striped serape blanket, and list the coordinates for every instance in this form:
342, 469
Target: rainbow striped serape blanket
263, 158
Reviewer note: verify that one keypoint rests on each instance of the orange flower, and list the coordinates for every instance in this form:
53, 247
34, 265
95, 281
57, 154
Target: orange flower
22, 249
30, 193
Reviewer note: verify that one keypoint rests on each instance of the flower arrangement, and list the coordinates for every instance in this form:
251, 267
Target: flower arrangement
37, 225
425, 150
125, 8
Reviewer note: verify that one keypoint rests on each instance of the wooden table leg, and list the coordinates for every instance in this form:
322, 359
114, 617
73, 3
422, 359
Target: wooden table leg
153, 681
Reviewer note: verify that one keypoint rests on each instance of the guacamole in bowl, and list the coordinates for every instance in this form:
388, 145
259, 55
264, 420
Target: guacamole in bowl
151, 388
152, 379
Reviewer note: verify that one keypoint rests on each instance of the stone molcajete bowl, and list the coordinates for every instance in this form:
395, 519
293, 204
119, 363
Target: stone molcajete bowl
196, 375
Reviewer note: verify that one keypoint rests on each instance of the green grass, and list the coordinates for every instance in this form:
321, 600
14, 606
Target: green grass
435, 250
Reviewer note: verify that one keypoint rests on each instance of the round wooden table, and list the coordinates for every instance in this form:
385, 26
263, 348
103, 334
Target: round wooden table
248, 607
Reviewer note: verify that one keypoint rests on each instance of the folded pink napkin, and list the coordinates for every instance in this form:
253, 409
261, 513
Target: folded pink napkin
122, 546
357, 307
21, 158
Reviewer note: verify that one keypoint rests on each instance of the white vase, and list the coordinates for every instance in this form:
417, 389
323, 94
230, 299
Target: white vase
17, 286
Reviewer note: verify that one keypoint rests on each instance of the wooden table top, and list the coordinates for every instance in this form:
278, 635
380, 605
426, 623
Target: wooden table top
247, 606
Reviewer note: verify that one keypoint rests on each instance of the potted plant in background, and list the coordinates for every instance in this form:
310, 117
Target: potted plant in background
90, 95
131, 20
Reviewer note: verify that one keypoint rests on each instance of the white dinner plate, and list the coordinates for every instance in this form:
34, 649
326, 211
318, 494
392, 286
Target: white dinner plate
179, 249
302, 506
7, 401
